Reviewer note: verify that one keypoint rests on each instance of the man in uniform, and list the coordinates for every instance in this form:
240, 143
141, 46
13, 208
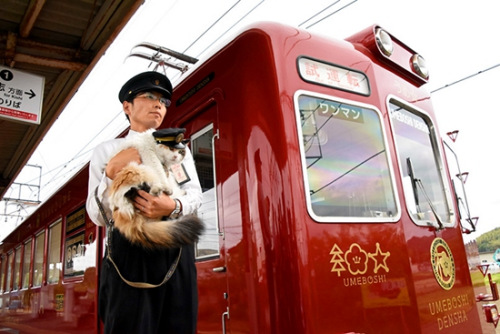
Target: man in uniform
148, 305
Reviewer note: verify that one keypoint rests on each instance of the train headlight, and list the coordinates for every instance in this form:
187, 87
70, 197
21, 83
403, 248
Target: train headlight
419, 66
384, 42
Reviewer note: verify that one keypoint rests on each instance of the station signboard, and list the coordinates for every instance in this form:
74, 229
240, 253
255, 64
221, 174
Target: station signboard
21, 95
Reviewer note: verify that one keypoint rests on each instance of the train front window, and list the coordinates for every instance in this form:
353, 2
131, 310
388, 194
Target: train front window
427, 198
346, 161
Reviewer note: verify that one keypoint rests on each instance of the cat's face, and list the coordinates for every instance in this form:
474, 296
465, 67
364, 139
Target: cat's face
169, 155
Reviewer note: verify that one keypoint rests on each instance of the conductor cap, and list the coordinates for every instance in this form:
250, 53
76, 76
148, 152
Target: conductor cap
172, 137
146, 81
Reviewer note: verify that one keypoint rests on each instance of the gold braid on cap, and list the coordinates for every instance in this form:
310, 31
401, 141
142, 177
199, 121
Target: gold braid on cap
176, 139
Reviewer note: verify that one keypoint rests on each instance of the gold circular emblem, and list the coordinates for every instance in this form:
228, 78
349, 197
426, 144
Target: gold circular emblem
443, 264
157, 82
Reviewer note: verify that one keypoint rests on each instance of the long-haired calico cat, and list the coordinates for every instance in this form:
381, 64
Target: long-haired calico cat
154, 176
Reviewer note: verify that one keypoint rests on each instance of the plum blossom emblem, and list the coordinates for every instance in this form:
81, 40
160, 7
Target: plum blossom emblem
357, 259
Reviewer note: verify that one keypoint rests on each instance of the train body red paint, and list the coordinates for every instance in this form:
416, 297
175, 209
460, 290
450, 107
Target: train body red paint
328, 204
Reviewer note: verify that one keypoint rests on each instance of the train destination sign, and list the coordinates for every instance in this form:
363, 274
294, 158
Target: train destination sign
334, 76
21, 95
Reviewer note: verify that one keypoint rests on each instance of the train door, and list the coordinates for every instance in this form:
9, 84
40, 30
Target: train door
209, 251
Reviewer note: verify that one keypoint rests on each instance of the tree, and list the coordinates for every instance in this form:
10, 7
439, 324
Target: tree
489, 242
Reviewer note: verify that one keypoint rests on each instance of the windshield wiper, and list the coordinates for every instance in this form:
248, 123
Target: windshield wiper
411, 174
417, 182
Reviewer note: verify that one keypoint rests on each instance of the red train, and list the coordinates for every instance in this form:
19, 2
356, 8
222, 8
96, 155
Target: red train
327, 201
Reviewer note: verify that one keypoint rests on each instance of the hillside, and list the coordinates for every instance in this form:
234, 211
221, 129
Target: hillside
489, 242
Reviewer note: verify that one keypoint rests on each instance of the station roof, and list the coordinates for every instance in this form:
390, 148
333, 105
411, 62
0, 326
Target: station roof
61, 41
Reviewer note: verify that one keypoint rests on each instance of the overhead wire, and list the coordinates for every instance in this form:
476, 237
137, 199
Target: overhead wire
212, 25
335, 12
321, 11
231, 27
465, 78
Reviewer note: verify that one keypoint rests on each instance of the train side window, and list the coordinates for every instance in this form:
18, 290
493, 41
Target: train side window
79, 252
2, 273
54, 264
203, 155
427, 197
26, 264
38, 259
17, 269
10, 264
345, 161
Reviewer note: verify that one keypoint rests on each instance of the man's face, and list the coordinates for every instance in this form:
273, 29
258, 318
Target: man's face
146, 111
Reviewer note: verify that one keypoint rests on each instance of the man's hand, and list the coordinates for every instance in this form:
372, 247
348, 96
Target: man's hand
120, 160
154, 207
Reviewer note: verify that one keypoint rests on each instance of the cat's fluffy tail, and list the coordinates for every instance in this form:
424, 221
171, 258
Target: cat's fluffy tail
139, 229
173, 233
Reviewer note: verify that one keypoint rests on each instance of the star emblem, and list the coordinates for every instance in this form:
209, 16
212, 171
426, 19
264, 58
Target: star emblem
380, 259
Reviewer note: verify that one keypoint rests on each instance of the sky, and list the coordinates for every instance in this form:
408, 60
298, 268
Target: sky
458, 39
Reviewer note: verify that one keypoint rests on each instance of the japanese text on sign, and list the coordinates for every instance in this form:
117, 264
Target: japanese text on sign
20, 95
339, 110
333, 76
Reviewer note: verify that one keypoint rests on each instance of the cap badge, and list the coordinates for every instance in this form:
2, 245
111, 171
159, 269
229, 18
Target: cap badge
179, 137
